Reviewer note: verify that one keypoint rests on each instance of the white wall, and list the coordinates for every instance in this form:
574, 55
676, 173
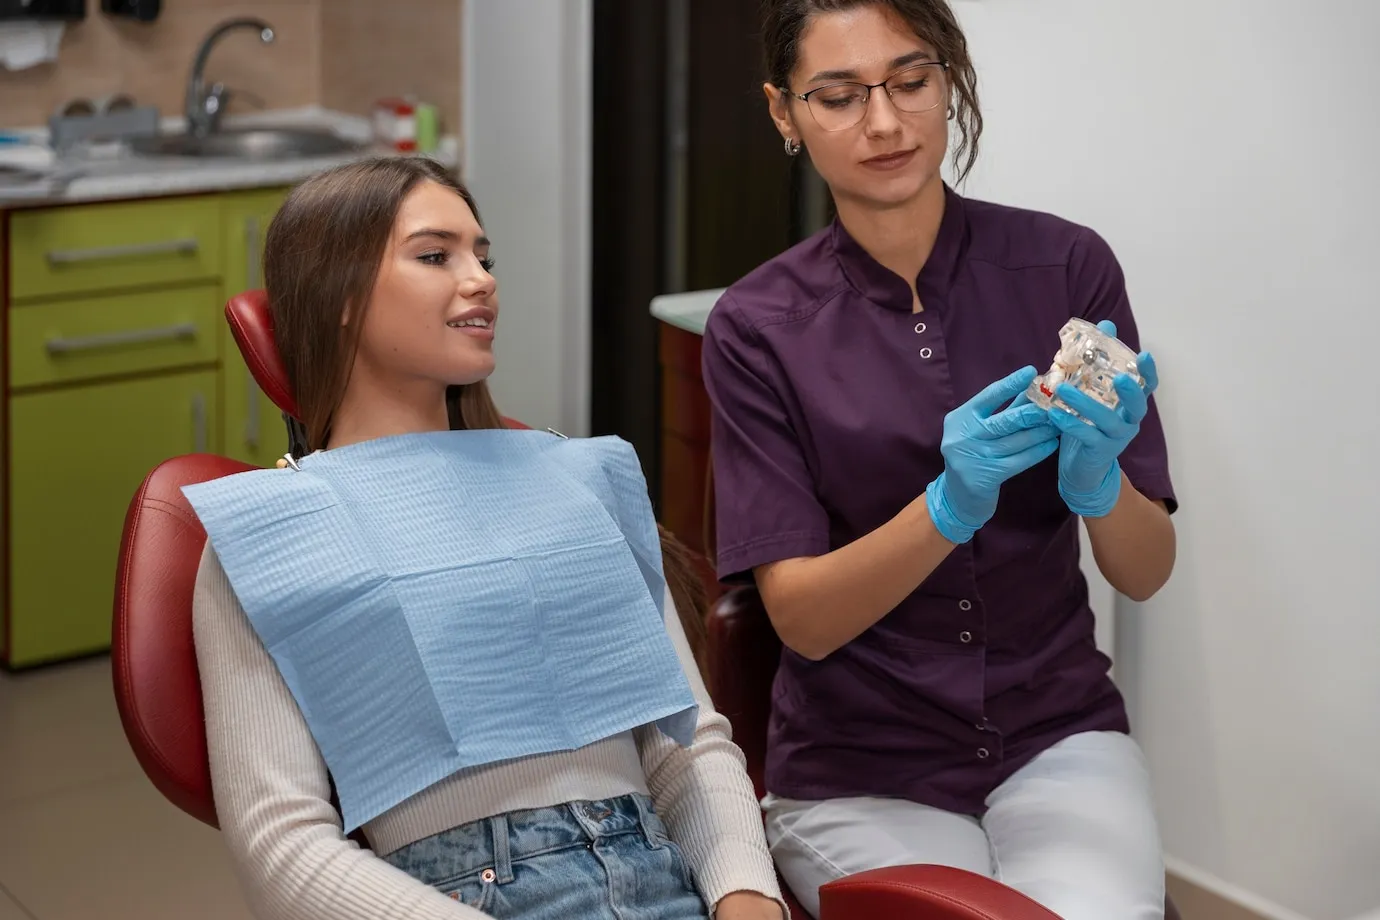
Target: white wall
1228, 151
526, 154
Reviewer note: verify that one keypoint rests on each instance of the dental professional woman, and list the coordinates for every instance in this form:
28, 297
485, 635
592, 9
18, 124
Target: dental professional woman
910, 519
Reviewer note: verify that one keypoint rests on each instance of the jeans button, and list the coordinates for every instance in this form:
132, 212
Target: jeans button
488, 876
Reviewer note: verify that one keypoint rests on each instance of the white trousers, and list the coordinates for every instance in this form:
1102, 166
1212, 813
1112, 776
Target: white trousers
1074, 830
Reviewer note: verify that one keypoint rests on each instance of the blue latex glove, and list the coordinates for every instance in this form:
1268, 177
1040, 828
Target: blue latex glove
1089, 472
982, 448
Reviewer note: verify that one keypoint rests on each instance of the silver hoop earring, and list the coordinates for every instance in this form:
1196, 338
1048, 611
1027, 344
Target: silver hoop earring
793, 147
952, 113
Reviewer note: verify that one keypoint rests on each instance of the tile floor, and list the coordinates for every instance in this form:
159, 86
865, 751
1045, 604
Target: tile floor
82, 833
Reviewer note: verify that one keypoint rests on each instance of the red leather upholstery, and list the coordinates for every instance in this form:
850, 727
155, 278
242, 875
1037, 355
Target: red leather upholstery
154, 662
927, 893
252, 327
744, 653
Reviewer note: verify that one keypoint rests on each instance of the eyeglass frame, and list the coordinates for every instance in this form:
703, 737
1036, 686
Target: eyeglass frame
867, 93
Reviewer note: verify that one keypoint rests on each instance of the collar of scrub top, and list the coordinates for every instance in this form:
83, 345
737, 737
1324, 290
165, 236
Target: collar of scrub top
884, 287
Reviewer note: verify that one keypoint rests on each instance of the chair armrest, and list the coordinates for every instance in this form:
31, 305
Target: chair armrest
925, 893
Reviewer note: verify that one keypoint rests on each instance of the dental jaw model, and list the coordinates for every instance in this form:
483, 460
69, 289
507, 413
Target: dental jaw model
1089, 360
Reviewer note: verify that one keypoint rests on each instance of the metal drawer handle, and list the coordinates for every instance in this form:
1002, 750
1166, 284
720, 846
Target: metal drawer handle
68, 256
115, 339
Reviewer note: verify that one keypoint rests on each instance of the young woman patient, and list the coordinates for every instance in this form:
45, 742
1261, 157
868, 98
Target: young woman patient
393, 619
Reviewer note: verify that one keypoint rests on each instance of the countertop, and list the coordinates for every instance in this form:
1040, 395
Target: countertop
118, 174
688, 311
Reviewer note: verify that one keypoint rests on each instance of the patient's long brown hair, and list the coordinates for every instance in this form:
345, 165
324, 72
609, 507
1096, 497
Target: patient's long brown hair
322, 253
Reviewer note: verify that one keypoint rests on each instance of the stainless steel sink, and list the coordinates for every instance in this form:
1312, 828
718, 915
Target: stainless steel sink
246, 144
205, 106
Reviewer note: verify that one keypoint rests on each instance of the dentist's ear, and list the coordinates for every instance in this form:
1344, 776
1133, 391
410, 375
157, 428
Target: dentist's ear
779, 108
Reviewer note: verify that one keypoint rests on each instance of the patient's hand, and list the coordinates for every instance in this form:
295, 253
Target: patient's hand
748, 905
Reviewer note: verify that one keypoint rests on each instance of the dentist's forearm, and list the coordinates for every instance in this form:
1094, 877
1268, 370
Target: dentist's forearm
1134, 545
820, 604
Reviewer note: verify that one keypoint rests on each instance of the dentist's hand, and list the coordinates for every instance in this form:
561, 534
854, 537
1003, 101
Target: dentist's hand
982, 448
1089, 472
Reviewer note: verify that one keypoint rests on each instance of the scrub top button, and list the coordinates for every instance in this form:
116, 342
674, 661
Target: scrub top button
965, 637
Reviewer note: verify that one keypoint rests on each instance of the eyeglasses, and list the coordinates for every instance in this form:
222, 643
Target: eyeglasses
839, 106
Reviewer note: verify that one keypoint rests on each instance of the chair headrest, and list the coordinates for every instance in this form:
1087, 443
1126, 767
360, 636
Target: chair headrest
252, 327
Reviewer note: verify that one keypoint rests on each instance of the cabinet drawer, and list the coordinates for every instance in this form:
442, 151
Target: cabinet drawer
109, 246
117, 334
77, 455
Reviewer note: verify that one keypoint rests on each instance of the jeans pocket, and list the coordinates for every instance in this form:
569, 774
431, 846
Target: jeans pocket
472, 890
670, 854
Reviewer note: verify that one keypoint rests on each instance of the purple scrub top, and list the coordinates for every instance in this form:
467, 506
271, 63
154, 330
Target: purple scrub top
828, 397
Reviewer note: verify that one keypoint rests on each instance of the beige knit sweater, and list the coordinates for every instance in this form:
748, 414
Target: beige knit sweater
273, 795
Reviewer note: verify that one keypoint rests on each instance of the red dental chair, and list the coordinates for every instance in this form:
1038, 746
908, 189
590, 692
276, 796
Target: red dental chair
159, 696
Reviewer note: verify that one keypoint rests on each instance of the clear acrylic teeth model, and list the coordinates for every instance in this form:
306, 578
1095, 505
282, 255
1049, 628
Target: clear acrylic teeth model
1089, 360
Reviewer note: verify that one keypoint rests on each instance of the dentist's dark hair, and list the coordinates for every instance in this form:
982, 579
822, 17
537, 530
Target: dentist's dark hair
784, 23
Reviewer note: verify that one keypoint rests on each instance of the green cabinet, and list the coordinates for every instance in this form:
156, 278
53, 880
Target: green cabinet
107, 246
118, 357
77, 455
85, 338
254, 431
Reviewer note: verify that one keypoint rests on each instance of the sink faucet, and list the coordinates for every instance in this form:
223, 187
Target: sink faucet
204, 108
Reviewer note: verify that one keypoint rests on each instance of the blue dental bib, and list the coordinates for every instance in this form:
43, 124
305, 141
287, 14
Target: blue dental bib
444, 600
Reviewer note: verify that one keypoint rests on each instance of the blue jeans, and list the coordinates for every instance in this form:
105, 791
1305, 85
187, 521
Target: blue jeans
609, 860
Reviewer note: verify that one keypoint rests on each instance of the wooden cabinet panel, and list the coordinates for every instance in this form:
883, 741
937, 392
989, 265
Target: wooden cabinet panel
684, 437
